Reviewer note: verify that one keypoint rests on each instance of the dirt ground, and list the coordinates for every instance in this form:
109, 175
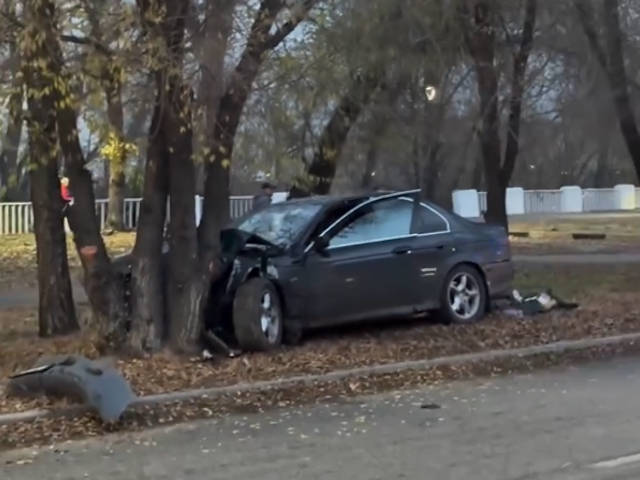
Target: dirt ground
608, 306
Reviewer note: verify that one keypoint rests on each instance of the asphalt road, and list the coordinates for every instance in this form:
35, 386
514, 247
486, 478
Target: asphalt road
576, 424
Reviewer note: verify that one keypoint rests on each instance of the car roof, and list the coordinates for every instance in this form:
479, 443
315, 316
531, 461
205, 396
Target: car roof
328, 200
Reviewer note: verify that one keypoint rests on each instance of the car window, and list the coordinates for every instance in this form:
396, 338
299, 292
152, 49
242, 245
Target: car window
376, 221
428, 221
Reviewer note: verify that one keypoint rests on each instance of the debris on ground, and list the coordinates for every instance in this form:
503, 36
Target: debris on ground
521, 306
93, 383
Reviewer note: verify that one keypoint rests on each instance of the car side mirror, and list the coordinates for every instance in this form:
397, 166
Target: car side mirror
320, 244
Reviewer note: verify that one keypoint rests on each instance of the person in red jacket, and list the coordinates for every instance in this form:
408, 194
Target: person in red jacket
67, 198
65, 193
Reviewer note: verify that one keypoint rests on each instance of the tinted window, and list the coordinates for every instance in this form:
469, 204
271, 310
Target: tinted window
281, 223
376, 221
428, 221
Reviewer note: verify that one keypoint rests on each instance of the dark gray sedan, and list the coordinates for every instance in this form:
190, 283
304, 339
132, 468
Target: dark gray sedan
323, 261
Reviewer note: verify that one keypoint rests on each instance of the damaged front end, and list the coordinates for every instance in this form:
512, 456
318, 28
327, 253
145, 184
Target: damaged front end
244, 256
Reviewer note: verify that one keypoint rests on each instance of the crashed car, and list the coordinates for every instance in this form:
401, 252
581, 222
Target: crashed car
321, 261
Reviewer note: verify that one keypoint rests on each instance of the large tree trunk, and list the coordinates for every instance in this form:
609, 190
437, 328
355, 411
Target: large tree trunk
147, 289
259, 43
619, 83
480, 36
322, 168
520, 60
481, 44
211, 47
104, 292
56, 310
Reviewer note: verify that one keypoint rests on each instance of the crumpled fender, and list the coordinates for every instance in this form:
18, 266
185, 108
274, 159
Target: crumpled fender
94, 383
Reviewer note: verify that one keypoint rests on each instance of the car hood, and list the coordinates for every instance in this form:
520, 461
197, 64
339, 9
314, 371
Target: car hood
235, 240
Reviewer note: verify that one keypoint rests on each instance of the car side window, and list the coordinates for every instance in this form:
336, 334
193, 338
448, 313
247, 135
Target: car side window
376, 221
428, 221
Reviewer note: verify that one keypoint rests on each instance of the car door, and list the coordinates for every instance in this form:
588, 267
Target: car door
433, 245
363, 271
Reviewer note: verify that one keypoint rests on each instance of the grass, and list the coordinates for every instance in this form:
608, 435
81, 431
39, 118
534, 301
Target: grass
575, 281
18, 257
612, 224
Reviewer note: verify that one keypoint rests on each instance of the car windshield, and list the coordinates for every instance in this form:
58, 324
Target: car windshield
279, 224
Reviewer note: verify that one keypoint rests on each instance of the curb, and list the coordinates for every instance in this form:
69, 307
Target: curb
557, 347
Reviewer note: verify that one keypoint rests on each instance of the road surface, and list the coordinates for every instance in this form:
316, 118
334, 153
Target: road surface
580, 423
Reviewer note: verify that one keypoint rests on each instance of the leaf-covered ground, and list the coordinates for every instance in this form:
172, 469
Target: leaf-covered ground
607, 294
608, 306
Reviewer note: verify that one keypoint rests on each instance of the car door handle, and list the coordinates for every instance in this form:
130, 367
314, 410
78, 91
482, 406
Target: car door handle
402, 250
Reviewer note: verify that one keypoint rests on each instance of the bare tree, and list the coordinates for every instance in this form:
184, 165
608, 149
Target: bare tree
611, 59
480, 27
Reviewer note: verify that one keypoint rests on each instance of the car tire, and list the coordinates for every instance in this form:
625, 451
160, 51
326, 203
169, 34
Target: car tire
257, 316
464, 296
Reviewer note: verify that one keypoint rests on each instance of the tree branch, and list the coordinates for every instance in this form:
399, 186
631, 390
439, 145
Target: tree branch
586, 17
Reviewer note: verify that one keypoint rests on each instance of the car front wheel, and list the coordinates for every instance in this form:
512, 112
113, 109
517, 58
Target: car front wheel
257, 315
464, 296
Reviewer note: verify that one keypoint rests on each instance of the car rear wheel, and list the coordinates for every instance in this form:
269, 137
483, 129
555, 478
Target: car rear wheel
257, 315
464, 296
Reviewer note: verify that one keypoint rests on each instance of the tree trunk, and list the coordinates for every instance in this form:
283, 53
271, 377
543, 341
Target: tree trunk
56, 313
520, 60
117, 165
148, 302
10, 177
323, 167
480, 39
619, 82
260, 41
105, 294
211, 47
480, 36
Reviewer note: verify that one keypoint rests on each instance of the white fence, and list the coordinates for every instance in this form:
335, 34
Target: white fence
17, 217
566, 199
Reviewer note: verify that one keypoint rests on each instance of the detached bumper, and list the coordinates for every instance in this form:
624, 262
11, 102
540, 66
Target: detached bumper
499, 278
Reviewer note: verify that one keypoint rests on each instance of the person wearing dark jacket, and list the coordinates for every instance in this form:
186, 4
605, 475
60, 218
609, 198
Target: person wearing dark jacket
263, 199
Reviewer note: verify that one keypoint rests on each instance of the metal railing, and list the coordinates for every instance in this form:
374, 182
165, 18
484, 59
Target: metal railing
599, 199
535, 201
17, 217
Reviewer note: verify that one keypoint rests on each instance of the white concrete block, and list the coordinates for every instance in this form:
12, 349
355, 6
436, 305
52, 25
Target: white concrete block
466, 203
625, 197
199, 201
515, 201
278, 197
571, 199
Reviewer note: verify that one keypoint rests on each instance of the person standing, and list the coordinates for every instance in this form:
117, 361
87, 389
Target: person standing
263, 199
67, 198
